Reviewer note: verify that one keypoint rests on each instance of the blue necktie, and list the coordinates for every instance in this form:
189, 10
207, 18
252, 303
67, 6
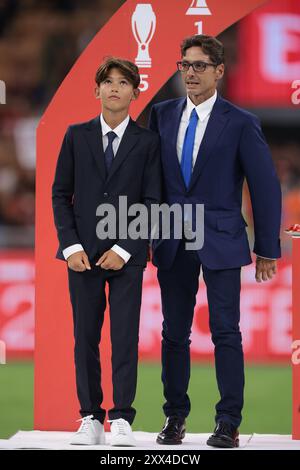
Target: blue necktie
109, 153
188, 147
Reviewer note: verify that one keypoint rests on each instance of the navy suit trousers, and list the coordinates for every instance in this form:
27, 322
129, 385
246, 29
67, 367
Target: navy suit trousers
179, 286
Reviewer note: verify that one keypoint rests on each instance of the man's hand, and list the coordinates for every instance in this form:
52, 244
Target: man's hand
265, 269
78, 261
110, 260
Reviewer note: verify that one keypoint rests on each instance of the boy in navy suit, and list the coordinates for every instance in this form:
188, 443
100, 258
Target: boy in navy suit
100, 160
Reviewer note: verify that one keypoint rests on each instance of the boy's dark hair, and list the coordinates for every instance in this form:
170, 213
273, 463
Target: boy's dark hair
210, 46
128, 69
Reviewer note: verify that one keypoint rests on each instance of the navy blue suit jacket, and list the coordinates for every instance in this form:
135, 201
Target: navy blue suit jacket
81, 185
233, 148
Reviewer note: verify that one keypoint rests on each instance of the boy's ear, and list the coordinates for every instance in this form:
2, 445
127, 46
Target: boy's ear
136, 93
97, 92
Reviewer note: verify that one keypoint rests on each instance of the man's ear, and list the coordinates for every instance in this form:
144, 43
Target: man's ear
220, 71
97, 92
136, 93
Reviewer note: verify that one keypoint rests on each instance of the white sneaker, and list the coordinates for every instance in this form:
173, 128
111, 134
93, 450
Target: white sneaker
121, 433
91, 432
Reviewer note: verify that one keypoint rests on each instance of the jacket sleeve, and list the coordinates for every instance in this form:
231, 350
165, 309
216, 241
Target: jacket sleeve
264, 187
62, 194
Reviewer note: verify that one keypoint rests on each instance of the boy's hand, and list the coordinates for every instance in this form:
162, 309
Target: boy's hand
265, 269
110, 260
78, 261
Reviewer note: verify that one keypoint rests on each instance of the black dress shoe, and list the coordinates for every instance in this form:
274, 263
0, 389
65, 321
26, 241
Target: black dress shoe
173, 431
225, 435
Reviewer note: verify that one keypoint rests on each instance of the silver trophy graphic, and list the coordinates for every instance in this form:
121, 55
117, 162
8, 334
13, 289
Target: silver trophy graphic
198, 7
143, 23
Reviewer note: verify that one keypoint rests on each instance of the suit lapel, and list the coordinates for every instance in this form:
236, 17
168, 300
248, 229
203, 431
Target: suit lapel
93, 137
171, 131
128, 141
215, 126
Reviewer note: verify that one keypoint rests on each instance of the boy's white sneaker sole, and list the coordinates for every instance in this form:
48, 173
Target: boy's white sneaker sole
123, 441
121, 433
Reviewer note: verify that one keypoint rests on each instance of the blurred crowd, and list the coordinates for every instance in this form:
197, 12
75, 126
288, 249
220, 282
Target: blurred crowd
39, 42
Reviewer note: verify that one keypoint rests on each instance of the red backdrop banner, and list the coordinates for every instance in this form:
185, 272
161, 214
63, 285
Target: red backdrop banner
126, 34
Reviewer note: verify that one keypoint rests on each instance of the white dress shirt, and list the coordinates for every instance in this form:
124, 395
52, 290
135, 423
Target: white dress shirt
203, 111
119, 130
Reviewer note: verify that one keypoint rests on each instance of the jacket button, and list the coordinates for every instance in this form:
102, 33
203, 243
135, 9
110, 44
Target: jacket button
105, 194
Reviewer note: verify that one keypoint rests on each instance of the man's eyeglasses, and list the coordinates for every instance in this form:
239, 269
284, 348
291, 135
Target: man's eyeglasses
198, 65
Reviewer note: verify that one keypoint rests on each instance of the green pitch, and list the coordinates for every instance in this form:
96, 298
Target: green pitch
267, 408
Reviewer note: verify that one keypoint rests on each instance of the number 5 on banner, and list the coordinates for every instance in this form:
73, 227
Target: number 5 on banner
144, 85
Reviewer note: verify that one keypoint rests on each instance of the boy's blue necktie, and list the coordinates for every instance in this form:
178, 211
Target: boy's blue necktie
109, 153
188, 147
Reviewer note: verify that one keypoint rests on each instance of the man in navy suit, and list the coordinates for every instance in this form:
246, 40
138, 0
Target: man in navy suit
101, 160
209, 147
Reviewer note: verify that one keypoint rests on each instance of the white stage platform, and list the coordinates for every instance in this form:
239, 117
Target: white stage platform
146, 441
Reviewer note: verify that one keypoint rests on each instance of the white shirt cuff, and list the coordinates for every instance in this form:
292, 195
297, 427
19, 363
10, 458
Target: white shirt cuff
72, 249
122, 253
264, 257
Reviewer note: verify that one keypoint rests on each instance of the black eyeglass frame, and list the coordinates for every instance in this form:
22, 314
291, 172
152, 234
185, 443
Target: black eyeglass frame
204, 65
